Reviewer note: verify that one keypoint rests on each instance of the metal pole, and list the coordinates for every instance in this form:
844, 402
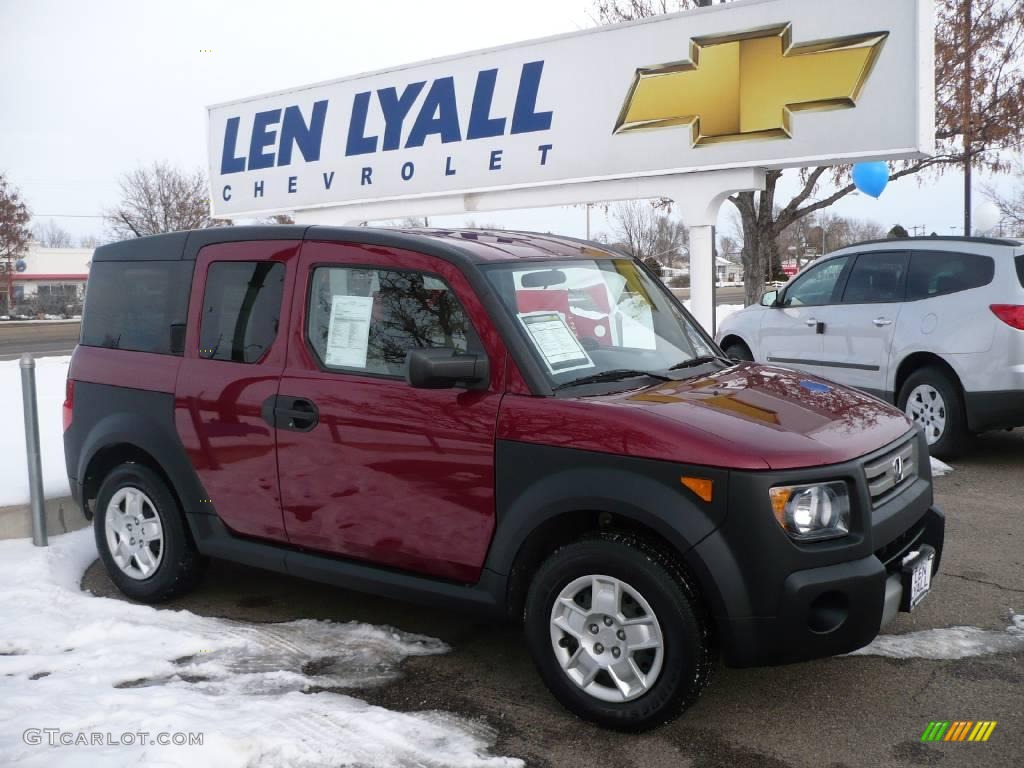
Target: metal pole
35, 470
967, 108
588, 221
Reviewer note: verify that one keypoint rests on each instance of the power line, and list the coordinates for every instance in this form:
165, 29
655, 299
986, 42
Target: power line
66, 216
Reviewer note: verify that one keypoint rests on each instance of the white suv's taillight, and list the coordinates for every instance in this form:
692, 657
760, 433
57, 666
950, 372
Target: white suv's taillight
69, 402
1011, 314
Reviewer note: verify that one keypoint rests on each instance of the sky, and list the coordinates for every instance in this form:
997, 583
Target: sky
91, 90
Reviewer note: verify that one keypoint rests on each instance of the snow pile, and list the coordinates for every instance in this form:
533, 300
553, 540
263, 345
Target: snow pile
79, 663
949, 643
940, 469
51, 373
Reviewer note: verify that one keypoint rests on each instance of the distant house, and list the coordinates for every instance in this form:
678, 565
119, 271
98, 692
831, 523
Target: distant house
45, 280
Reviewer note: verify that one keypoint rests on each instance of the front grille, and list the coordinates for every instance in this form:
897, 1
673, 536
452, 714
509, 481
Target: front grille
892, 474
892, 554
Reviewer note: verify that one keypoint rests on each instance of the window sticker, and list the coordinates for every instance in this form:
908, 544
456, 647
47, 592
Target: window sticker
555, 341
434, 283
348, 335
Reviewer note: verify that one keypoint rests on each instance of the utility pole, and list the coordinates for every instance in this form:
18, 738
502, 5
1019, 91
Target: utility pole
967, 107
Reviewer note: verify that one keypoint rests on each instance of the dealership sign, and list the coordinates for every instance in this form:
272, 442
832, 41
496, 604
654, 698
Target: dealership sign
749, 84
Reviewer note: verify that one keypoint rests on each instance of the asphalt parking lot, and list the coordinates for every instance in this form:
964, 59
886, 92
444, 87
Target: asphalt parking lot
834, 713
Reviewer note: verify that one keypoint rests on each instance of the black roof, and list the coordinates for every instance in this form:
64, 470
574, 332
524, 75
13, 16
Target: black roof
460, 245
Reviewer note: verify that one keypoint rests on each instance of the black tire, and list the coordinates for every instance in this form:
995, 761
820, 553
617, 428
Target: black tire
180, 567
954, 437
737, 350
688, 651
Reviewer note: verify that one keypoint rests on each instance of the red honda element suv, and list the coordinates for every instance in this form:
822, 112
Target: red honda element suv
526, 425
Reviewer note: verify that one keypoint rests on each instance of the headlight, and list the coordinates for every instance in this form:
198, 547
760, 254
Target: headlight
812, 512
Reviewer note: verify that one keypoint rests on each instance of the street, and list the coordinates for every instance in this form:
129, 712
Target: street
726, 295
841, 712
40, 338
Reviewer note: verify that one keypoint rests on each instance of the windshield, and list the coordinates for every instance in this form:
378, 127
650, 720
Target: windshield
602, 319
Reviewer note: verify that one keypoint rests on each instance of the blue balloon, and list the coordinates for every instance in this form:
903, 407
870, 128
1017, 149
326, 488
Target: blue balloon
871, 178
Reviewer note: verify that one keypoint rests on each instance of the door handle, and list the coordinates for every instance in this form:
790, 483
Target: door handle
882, 321
293, 413
811, 322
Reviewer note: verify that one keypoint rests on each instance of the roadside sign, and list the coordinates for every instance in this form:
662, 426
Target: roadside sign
749, 84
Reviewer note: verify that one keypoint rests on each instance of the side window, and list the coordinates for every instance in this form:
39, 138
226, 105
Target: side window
817, 286
939, 272
1020, 270
241, 310
365, 320
876, 277
133, 304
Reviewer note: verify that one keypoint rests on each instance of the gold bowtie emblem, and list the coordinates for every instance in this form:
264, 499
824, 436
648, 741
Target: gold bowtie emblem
747, 86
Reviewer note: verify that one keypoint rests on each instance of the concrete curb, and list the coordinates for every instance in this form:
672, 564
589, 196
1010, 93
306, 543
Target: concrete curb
62, 515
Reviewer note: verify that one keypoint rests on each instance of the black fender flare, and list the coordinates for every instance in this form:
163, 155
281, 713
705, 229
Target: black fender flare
146, 426
646, 493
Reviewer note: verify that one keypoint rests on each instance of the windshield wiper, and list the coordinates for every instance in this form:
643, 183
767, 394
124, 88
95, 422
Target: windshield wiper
617, 374
702, 360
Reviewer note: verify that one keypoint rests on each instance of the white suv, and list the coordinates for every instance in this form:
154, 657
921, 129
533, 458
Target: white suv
935, 325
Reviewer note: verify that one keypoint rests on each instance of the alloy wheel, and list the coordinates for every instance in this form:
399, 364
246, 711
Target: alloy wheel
135, 535
607, 638
926, 407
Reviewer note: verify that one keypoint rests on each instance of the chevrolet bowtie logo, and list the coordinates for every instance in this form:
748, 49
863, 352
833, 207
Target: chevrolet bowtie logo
747, 86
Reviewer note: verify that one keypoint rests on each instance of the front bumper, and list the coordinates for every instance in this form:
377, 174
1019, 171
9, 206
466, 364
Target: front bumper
776, 601
831, 610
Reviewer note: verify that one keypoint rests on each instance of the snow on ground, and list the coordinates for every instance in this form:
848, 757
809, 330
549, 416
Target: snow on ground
79, 663
940, 469
949, 643
51, 373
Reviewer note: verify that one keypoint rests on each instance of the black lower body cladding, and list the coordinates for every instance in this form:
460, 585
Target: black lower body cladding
994, 410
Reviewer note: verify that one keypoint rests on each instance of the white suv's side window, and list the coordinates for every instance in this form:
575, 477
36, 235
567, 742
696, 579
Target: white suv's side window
876, 278
817, 286
939, 273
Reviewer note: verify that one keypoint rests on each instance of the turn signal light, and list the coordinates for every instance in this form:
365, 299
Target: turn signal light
701, 486
1011, 314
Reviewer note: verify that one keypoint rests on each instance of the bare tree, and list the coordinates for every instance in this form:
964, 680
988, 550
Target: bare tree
979, 98
89, 241
14, 233
1011, 204
633, 224
161, 198
51, 235
280, 218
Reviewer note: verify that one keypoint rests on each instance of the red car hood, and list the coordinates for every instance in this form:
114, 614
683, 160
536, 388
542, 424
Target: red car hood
782, 417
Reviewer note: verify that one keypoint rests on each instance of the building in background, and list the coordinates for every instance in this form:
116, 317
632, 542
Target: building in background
45, 281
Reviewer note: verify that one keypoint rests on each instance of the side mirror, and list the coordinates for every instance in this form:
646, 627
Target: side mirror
770, 299
443, 367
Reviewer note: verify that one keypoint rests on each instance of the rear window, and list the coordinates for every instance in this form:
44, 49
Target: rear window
1020, 270
939, 273
133, 304
241, 310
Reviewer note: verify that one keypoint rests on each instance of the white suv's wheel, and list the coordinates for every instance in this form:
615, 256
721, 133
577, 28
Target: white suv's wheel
933, 401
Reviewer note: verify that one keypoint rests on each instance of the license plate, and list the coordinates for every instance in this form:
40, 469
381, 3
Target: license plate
919, 578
